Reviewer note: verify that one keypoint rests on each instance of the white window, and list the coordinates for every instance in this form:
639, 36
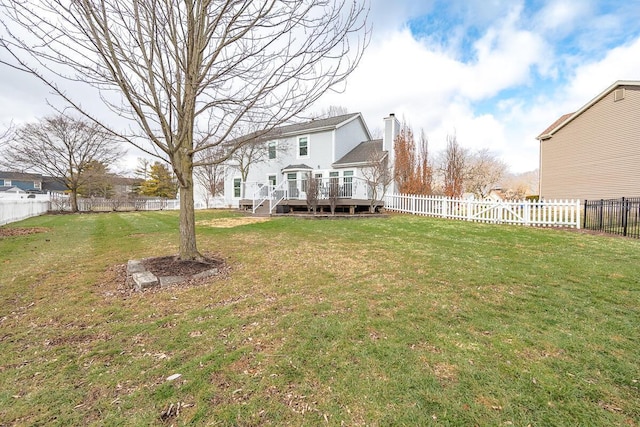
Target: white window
303, 146
237, 186
271, 146
7, 183
272, 180
37, 185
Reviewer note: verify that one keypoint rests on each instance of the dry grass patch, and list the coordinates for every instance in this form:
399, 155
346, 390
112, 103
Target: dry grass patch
20, 231
231, 222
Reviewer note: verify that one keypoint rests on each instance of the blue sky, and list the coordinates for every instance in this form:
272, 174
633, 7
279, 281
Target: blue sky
496, 73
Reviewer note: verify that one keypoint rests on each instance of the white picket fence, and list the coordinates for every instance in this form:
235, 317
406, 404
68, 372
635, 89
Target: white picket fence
12, 210
16, 207
546, 213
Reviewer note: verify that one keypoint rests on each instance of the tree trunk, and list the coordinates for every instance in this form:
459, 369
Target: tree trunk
74, 201
188, 248
183, 165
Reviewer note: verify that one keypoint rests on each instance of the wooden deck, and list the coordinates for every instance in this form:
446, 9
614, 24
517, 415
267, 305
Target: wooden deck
350, 206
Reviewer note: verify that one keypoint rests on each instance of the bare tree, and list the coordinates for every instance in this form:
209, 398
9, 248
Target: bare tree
5, 136
62, 147
210, 175
189, 74
333, 193
519, 185
312, 192
453, 167
484, 172
251, 153
143, 168
412, 169
378, 176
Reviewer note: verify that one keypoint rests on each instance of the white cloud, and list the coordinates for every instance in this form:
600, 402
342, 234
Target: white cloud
561, 17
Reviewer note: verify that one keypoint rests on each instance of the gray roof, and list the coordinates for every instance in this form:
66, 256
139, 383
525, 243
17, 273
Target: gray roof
20, 176
362, 153
53, 184
296, 167
314, 125
6, 188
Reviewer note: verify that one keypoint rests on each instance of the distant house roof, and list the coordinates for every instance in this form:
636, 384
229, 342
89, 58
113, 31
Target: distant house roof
124, 180
361, 153
10, 189
567, 118
50, 183
20, 176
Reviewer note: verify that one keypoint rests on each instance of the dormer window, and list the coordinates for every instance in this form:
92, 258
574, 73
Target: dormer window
303, 146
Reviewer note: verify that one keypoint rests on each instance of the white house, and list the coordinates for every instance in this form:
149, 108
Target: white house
338, 152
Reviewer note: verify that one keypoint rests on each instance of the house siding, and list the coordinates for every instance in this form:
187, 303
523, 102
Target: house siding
326, 144
597, 154
348, 137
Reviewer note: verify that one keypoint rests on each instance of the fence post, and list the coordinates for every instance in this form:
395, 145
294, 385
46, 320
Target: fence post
624, 216
584, 220
445, 206
600, 215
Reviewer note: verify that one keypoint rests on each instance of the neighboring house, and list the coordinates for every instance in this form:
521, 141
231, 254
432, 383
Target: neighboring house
335, 152
594, 153
27, 182
32, 182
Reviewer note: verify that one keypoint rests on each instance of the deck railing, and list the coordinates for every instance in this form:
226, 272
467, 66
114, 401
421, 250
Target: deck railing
349, 187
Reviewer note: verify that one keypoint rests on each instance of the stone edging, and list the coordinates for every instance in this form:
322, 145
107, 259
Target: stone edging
140, 278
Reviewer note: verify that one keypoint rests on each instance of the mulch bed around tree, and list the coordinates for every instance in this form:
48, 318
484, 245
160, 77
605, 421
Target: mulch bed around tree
172, 266
21, 231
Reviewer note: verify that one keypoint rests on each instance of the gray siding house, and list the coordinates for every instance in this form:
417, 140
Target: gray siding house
594, 153
334, 151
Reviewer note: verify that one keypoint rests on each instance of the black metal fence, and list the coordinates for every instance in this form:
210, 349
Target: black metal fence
615, 216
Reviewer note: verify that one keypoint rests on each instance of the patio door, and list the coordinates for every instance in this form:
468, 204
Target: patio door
293, 185
347, 180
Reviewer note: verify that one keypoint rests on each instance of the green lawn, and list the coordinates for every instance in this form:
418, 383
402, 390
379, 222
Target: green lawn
389, 321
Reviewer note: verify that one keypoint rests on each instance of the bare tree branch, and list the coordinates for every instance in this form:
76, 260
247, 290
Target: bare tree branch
64, 148
484, 173
190, 74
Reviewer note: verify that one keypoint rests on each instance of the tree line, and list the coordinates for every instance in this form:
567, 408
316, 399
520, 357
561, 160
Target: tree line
452, 172
79, 154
